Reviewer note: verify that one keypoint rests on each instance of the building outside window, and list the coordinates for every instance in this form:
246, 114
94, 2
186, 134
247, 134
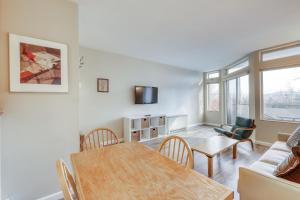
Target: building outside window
281, 94
213, 97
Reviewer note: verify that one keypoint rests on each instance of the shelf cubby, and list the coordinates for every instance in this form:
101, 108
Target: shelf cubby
141, 128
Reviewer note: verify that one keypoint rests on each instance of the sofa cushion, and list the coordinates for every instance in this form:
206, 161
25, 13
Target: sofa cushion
263, 167
274, 157
281, 146
287, 165
294, 138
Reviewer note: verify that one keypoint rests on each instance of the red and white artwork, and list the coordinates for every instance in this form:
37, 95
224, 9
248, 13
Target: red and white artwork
37, 65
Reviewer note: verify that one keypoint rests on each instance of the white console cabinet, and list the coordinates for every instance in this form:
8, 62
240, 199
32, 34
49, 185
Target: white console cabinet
147, 127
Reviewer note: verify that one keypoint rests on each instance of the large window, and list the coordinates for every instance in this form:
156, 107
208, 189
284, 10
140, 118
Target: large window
213, 97
237, 98
281, 94
281, 53
213, 75
238, 66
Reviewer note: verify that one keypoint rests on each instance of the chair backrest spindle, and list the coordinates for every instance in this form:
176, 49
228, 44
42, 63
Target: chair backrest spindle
176, 150
66, 180
98, 138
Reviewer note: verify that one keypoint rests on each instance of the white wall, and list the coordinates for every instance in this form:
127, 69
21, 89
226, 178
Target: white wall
178, 90
37, 128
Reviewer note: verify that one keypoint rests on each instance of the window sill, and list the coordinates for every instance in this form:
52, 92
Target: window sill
280, 121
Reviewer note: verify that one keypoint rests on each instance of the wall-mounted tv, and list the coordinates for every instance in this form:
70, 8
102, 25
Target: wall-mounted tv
146, 95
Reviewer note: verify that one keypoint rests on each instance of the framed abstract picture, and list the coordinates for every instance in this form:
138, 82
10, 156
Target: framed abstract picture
37, 65
102, 85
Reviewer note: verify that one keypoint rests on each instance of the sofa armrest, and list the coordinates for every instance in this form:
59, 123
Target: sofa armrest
283, 137
254, 185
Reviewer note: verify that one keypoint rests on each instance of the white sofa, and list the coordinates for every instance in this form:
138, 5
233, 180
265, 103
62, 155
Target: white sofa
256, 182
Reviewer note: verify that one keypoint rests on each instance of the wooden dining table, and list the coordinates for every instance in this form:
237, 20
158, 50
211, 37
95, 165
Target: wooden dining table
134, 171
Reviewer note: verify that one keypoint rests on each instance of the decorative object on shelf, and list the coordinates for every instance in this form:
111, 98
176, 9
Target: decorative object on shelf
102, 85
81, 62
37, 65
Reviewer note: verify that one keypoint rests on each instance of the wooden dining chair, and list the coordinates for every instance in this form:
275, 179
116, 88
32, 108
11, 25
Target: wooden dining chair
97, 138
66, 180
176, 148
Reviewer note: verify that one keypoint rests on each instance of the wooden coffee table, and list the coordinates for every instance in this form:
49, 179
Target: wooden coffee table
212, 146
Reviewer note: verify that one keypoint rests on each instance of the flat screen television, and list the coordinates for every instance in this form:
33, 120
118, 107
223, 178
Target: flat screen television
146, 95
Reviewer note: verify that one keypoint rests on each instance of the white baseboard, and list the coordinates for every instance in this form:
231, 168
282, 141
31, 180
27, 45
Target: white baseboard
211, 124
55, 196
193, 125
268, 144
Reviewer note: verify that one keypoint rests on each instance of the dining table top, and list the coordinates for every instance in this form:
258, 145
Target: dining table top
135, 171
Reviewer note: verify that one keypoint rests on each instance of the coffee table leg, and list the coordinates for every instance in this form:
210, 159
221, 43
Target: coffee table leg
193, 158
210, 166
234, 151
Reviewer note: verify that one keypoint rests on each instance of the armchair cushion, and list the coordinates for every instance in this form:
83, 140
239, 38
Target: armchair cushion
243, 122
238, 134
223, 131
229, 133
241, 134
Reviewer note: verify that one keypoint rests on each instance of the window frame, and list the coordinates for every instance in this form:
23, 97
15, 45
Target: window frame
278, 50
284, 62
225, 82
212, 72
234, 75
207, 96
239, 68
238, 73
261, 114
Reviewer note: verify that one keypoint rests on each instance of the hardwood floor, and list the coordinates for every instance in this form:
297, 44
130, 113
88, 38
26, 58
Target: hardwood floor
225, 168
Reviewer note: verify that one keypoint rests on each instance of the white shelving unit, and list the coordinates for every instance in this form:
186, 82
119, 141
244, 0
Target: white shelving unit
142, 128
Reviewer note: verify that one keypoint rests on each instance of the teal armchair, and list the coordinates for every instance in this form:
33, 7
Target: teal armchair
242, 130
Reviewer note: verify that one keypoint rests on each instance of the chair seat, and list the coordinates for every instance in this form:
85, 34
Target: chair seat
222, 131
225, 132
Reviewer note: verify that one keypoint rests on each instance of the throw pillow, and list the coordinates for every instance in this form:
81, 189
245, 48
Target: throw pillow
293, 176
288, 164
294, 138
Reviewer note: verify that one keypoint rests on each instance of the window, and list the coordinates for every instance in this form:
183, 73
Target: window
281, 94
213, 75
238, 67
281, 53
237, 98
213, 97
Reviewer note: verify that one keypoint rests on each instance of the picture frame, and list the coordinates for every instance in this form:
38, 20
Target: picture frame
37, 65
102, 85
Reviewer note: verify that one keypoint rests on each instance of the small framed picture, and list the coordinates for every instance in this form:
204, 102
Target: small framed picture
102, 85
37, 65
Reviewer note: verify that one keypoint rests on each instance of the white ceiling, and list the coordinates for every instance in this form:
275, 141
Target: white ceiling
195, 34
